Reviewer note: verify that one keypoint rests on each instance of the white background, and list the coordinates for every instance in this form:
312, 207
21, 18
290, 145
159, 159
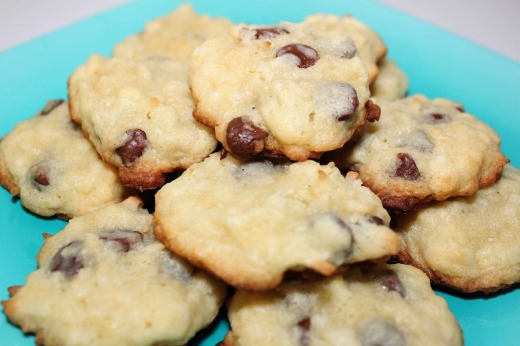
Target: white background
491, 23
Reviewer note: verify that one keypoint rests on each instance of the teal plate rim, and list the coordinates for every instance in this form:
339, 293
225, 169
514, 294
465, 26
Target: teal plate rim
438, 64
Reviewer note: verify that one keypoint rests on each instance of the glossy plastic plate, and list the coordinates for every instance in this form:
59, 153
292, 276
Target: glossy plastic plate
438, 64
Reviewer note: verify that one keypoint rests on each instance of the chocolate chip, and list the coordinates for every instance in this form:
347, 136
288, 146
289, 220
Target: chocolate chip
437, 118
244, 139
134, 146
39, 174
68, 259
50, 106
373, 111
121, 240
41, 178
306, 55
304, 326
391, 282
376, 219
382, 333
269, 32
175, 266
406, 169
349, 50
223, 154
340, 100
329, 221
460, 108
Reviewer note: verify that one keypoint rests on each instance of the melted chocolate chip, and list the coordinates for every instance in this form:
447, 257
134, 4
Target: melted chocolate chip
373, 111
382, 333
269, 32
306, 55
41, 178
244, 138
68, 259
376, 219
39, 174
406, 169
223, 154
349, 50
134, 146
50, 106
330, 221
437, 118
304, 326
338, 99
176, 267
121, 240
391, 282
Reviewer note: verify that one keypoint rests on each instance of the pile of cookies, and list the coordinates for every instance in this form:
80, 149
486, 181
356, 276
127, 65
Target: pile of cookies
280, 167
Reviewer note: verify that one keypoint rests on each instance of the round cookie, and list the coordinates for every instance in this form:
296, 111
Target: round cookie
384, 305
287, 89
369, 44
249, 223
423, 150
174, 35
105, 280
391, 82
477, 246
138, 115
47, 161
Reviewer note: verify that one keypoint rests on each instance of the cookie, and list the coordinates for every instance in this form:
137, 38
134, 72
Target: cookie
249, 223
56, 171
105, 280
369, 44
281, 90
383, 305
423, 150
138, 115
477, 248
174, 35
391, 82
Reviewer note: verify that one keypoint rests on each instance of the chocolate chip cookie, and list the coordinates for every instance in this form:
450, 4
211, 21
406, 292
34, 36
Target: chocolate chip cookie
391, 82
138, 115
468, 243
286, 89
56, 171
423, 150
105, 280
174, 35
249, 223
381, 305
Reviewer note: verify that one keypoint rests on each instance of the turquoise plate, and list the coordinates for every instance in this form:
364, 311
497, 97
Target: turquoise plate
438, 64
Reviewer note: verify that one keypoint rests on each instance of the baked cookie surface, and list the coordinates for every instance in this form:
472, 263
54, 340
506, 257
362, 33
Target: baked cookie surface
54, 169
174, 36
369, 44
105, 280
249, 223
287, 89
468, 243
138, 115
391, 82
380, 305
423, 150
